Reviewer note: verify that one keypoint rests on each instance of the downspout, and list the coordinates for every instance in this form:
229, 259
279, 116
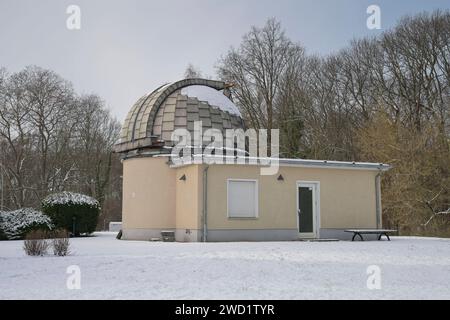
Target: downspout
205, 203
378, 199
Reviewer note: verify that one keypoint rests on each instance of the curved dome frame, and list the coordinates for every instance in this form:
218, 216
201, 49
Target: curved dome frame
138, 128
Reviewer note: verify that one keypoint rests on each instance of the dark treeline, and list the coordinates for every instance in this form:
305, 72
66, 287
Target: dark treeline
381, 99
52, 139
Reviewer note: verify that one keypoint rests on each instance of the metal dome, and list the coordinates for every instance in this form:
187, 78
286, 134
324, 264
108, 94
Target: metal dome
152, 119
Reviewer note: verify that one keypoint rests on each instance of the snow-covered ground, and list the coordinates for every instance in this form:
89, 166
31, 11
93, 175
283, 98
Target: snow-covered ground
411, 268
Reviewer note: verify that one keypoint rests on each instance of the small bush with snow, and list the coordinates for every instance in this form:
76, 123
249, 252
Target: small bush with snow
74, 212
16, 224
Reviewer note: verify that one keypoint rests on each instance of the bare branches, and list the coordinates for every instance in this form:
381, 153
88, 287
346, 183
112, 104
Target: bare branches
257, 68
434, 212
192, 72
50, 138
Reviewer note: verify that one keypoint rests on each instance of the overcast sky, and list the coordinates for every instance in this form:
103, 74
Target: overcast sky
125, 48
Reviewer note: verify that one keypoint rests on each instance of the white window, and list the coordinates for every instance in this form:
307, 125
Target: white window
242, 198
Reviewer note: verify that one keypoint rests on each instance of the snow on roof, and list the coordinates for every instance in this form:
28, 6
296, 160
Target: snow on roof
214, 97
246, 160
66, 197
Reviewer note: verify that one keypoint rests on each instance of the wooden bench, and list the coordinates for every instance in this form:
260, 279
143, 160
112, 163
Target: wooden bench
379, 232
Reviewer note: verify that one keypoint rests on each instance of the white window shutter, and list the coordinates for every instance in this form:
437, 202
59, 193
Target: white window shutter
242, 199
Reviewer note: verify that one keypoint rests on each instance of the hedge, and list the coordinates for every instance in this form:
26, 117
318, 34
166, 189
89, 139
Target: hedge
77, 213
16, 224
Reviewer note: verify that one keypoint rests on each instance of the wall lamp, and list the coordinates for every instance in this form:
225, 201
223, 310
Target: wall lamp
183, 177
280, 178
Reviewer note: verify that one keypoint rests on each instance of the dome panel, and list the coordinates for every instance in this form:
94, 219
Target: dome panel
213, 97
152, 119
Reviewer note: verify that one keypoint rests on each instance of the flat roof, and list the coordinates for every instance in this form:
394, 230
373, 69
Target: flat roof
289, 162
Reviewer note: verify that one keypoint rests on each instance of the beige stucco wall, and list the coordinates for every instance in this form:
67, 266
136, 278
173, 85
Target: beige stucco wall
189, 197
148, 194
347, 197
154, 198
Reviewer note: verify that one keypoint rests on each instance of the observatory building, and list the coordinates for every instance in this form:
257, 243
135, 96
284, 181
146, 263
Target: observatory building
305, 199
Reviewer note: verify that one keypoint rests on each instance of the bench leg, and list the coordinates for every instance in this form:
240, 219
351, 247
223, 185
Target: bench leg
384, 234
357, 234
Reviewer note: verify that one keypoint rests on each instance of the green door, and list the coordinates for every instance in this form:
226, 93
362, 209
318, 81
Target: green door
306, 210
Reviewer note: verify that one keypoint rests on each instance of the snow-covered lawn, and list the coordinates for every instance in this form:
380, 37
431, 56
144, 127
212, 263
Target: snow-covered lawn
411, 268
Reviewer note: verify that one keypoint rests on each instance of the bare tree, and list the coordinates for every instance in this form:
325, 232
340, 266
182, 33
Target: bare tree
257, 68
192, 72
52, 115
96, 133
53, 140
